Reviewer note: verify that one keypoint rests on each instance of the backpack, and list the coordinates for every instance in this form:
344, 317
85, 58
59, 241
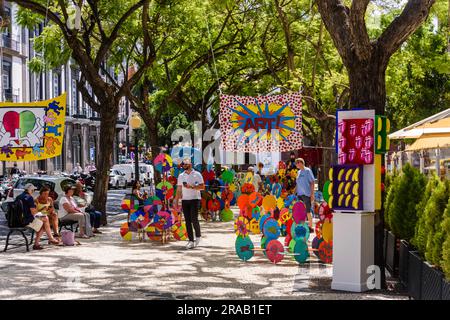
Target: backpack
15, 214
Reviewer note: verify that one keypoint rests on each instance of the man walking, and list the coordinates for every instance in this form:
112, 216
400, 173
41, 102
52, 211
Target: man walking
190, 183
305, 187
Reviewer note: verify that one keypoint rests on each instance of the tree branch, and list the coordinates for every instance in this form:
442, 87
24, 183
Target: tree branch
361, 40
335, 16
412, 16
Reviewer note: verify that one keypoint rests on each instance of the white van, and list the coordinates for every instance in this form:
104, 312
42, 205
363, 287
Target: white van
128, 170
147, 171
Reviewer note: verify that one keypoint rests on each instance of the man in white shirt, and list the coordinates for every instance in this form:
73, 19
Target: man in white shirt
189, 185
257, 181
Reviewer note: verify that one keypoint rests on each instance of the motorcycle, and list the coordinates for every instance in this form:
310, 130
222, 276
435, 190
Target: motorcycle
88, 180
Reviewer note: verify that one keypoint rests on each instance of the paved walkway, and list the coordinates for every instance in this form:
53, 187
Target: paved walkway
106, 267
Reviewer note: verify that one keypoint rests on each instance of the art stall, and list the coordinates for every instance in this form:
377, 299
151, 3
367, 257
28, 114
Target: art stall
279, 221
155, 218
354, 193
273, 215
32, 131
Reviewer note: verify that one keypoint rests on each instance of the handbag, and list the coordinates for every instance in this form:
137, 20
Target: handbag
68, 237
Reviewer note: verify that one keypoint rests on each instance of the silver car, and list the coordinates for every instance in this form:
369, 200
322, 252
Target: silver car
117, 179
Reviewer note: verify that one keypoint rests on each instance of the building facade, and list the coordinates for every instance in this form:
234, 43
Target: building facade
20, 84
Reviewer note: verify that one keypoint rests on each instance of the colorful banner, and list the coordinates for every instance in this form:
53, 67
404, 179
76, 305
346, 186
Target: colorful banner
32, 131
261, 124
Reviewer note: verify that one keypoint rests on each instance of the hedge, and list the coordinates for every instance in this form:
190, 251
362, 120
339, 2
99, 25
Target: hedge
446, 246
401, 202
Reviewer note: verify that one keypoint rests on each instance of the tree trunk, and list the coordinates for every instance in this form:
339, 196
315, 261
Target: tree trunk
152, 126
327, 138
107, 134
368, 85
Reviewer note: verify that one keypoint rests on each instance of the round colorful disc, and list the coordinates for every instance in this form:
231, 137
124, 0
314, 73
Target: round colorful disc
226, 215
300, 232
271, 229
244, 248
301, 253
275, 251
326, 252
299, 212
241, 226
327, 231
263, 220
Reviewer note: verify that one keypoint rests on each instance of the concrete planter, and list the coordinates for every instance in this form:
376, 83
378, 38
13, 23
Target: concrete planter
405, 248
415, 265
445, 289
431, 282
392, 254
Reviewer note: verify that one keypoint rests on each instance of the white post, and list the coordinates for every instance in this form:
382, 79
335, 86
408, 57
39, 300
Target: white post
422, 162
353, 251
438, 162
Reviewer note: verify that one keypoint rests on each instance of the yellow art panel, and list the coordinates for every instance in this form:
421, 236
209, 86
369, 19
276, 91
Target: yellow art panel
32, 131
378, 181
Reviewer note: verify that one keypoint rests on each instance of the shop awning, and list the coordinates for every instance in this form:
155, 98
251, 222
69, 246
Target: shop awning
431, 141
436, 124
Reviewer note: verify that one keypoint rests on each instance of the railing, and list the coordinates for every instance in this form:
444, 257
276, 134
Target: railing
7, 42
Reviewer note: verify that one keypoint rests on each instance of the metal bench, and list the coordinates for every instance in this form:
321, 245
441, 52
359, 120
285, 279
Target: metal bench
22, 231
68, 225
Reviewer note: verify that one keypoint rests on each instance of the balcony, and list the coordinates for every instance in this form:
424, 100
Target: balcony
10, 96
6, 41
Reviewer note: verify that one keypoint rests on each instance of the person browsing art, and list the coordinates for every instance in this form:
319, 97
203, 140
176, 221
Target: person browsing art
305, 186
189, 185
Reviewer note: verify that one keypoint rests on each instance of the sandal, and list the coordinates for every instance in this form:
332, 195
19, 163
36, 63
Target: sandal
54, 242
38, 247
82, 236
56, 235
97, 232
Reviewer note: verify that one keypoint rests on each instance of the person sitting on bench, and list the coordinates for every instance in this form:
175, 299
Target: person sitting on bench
68, 211
44, 204
34, 219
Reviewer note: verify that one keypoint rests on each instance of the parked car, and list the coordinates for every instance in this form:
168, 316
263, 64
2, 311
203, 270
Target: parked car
55, 183
117, 179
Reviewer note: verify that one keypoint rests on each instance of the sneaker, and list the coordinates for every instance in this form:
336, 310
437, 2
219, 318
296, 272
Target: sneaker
197, 241
190, 245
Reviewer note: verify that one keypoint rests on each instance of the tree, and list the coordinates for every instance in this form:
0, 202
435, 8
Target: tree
421, 230
402, 200
106, 27
366, 59
446, 246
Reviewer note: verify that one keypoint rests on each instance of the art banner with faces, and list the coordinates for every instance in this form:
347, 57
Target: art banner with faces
32, 131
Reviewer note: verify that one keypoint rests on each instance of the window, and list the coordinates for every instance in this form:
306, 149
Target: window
74, 96
56, 83
57, 163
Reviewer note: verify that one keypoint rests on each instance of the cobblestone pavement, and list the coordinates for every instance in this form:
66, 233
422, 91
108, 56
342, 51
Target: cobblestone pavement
106, 267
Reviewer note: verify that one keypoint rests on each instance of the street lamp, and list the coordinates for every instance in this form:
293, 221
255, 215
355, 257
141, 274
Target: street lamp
135, 124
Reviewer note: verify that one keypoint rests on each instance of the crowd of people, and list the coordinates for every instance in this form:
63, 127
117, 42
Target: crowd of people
40, 213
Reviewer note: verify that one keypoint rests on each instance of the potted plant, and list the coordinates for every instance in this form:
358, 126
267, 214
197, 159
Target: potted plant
404, 193
446, 254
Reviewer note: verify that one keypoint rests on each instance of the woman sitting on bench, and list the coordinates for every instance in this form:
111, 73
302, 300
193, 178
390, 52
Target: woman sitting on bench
44, 204
68, 211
